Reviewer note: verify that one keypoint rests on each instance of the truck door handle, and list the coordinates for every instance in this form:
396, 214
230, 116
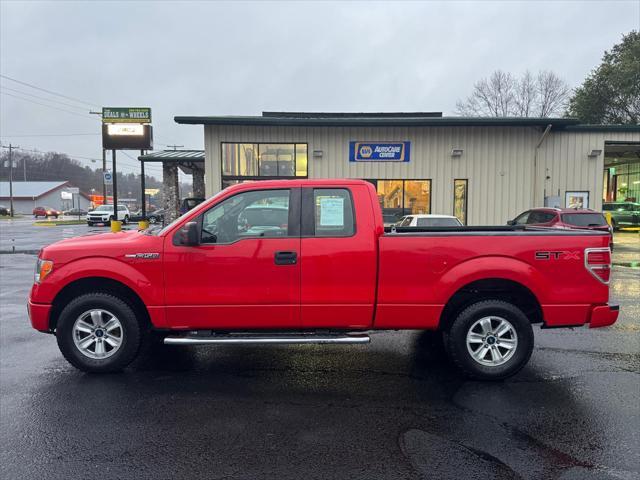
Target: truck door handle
286, 258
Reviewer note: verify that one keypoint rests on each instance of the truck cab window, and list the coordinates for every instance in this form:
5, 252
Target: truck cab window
259, 213
333, 212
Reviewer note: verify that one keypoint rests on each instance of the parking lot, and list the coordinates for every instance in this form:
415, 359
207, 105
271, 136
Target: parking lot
392, 409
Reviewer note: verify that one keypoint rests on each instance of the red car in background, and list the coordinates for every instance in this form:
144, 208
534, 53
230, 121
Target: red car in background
569, 218
46, 212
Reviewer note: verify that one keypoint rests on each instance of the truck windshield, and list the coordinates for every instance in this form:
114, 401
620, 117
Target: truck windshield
584, 219
104, 208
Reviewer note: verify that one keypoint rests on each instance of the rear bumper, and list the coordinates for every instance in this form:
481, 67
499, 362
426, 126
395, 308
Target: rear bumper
603, 316
576, 315
39, 315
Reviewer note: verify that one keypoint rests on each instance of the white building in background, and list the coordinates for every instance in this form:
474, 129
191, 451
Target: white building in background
483, 170
28, 195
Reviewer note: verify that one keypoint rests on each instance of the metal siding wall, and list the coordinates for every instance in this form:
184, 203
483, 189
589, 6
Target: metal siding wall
497, 161
564, 157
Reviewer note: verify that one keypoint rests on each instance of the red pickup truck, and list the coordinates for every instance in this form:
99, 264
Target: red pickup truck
310, 261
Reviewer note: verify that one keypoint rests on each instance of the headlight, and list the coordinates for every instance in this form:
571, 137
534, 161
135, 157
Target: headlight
43, 268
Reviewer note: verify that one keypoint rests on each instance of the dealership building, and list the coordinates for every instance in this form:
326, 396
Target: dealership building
483, 170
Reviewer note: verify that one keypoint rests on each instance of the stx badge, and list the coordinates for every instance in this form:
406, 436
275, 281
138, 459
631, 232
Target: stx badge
562, 255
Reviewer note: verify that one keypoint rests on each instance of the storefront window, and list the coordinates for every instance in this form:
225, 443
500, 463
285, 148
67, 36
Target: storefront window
417, 196
460, 199
240, 159
301, 159
403, 197
255, 160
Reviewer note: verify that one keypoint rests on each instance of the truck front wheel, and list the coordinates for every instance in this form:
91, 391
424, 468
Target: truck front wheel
490, 340
98, 333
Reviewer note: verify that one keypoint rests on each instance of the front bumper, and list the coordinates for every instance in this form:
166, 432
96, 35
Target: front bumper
603, 316
39, 315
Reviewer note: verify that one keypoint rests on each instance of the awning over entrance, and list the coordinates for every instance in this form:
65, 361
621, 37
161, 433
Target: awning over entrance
190, 162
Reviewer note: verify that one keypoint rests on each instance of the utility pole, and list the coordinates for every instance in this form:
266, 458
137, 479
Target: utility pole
24, 167
10, 147
104, 166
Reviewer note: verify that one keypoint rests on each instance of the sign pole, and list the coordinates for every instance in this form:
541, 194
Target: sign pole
115, 186
143, 186
104, 184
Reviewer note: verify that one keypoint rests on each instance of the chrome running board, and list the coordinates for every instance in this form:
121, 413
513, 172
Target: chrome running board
268, 339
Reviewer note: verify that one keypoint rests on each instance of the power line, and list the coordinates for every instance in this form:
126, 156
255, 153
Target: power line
49, 91
45, 105
42, 98
51, 135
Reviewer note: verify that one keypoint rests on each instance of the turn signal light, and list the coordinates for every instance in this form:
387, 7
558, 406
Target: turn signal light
598, 262
43, 268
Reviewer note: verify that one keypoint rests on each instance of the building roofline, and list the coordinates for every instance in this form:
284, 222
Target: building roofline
364, 121
603, 128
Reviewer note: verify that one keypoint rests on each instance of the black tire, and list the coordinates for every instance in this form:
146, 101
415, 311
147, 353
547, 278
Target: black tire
456, 340
131, 333
90, 224
153, 220
125, 220
613, 225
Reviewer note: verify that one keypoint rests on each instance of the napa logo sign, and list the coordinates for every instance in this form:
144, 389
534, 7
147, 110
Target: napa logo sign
379, 151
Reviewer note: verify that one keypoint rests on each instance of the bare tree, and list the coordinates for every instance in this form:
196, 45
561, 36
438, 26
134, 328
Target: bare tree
553, 94
526, 91
502, 95
493, 96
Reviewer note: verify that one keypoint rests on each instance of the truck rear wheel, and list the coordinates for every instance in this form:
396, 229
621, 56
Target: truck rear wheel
490, 340
98, 333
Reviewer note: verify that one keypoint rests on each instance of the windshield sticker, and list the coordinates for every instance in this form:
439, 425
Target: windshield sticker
331, 212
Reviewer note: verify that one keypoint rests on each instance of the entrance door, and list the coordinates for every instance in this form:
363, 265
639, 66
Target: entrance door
245, 274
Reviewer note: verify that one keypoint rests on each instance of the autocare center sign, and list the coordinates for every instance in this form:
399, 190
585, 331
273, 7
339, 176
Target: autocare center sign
379, 151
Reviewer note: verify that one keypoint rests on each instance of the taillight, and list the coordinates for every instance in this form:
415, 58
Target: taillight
598, 262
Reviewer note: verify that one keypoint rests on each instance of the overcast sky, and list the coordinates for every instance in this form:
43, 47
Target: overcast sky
218, 58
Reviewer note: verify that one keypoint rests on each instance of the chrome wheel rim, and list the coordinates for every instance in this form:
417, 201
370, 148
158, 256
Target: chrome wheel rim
97, 334
492, 341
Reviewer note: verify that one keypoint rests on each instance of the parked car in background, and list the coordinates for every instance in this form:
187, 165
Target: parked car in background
46, 212
623, 214
4, 210
157, 216
429, 220
75, 212
567, 218
104, 214
189, 203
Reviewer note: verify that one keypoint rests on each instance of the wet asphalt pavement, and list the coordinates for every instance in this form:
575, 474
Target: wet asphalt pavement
392, 409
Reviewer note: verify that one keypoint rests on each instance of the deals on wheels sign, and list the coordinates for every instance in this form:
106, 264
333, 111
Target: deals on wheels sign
126, 115
379, 151
126, 128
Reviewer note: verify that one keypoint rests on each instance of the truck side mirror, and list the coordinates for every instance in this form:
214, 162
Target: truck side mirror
511, 222
190, 234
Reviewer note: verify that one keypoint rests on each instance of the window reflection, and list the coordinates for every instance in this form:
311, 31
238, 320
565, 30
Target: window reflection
460, 200
417, 196
256, 160
399, 198
301, 160
240, 159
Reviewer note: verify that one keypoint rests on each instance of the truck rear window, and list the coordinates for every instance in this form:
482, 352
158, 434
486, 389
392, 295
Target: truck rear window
584, 219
